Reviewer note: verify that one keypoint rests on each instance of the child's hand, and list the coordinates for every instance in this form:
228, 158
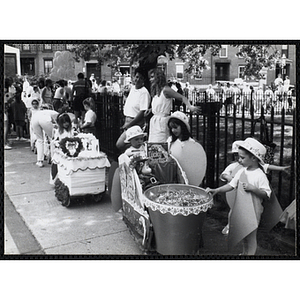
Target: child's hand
195, 109
248, 187
211, 191
286, 169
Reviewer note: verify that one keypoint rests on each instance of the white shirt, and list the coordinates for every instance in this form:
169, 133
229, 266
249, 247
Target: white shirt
255, 177
90, 116
137, 100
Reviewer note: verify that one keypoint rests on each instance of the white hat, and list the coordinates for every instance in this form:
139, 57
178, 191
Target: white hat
132, 132
254, 147
182, 117
235, 146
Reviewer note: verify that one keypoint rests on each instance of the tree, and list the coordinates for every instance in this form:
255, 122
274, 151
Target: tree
257, 57
145, 53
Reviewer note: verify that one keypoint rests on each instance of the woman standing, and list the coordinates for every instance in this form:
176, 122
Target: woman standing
136, 104
161, 106
47, 93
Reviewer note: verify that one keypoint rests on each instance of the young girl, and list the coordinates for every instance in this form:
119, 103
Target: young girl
64, 129
90, 117
252, 189
179, 127
161, 106
188, 152
230, 171
34, 108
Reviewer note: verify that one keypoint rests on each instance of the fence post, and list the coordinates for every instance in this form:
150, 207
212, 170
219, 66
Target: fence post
210, 109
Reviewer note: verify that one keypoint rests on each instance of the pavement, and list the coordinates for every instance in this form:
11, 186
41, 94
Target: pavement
37, 224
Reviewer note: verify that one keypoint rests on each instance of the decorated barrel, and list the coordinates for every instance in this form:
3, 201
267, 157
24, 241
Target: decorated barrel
177, 213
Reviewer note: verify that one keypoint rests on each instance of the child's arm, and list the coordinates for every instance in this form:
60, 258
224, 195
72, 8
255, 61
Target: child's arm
223, 189
258, 192
278, 168
226, 177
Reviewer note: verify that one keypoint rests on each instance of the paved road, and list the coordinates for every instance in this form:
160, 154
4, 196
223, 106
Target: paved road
37, 223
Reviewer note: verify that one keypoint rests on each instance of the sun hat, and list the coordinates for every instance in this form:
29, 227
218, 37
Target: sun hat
182, 117
235, 147
254, 147
132, 132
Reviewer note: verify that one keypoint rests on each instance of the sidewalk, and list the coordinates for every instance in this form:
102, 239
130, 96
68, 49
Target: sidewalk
38, 224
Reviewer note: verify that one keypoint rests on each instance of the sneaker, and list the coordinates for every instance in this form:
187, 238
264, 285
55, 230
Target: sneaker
225, 230
40, 164
6, 147
23, 139
17, 138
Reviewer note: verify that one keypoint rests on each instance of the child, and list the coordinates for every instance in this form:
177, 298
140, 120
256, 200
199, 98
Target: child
34, 108
189, 153
230, 171
19, 112
252, 189
137, 150
64, 129
135, 137
179, 127
90, 117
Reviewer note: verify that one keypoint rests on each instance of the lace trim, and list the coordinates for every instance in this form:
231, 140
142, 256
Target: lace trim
175, 210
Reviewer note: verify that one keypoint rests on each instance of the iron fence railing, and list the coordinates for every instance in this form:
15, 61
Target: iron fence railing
216, 128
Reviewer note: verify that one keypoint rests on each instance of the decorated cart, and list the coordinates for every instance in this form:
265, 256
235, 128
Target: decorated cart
164, 208
81, 168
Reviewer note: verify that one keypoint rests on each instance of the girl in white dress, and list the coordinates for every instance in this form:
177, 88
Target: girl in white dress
161, 106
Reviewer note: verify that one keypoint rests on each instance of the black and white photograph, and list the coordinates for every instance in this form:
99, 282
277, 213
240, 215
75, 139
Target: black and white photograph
150, 148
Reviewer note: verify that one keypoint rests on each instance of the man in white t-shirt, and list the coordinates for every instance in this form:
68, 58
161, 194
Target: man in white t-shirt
136, 104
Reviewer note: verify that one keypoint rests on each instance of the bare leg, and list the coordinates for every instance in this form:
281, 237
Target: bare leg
251, 243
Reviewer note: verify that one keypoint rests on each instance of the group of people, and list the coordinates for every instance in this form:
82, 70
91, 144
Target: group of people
246, 176
43, 115
147, 113
232, 95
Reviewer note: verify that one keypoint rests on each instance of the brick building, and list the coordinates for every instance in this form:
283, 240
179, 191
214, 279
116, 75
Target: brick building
227, 67
37, 59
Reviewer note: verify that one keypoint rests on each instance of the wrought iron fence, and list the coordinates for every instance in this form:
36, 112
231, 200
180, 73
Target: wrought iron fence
216, 128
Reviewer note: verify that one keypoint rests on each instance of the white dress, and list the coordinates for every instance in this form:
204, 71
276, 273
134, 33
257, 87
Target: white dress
161, 109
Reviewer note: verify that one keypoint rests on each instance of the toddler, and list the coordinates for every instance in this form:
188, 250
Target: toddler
252, 189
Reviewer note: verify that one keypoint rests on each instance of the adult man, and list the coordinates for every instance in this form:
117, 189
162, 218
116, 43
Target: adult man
210, 93
80, 91
278, 80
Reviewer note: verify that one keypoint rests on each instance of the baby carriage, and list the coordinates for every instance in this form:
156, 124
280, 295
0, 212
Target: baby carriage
158, 223
81, 169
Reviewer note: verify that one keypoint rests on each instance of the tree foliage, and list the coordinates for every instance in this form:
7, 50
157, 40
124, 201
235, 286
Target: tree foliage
145, 53
257, 57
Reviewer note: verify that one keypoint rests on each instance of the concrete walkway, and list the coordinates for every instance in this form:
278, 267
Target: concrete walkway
36, 222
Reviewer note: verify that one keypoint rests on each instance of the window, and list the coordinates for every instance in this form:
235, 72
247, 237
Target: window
48, 65
179, 71
241, 70
285, 50
69, 46
26, 47
47, 47
224, 51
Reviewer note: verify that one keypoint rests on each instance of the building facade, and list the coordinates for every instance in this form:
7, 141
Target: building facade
37, 60
226, 66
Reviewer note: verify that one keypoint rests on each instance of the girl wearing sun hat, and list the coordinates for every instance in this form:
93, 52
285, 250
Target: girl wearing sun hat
252, 189
188, 152
228, 174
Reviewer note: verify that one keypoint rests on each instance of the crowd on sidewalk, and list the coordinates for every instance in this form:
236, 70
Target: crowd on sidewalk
48, 112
